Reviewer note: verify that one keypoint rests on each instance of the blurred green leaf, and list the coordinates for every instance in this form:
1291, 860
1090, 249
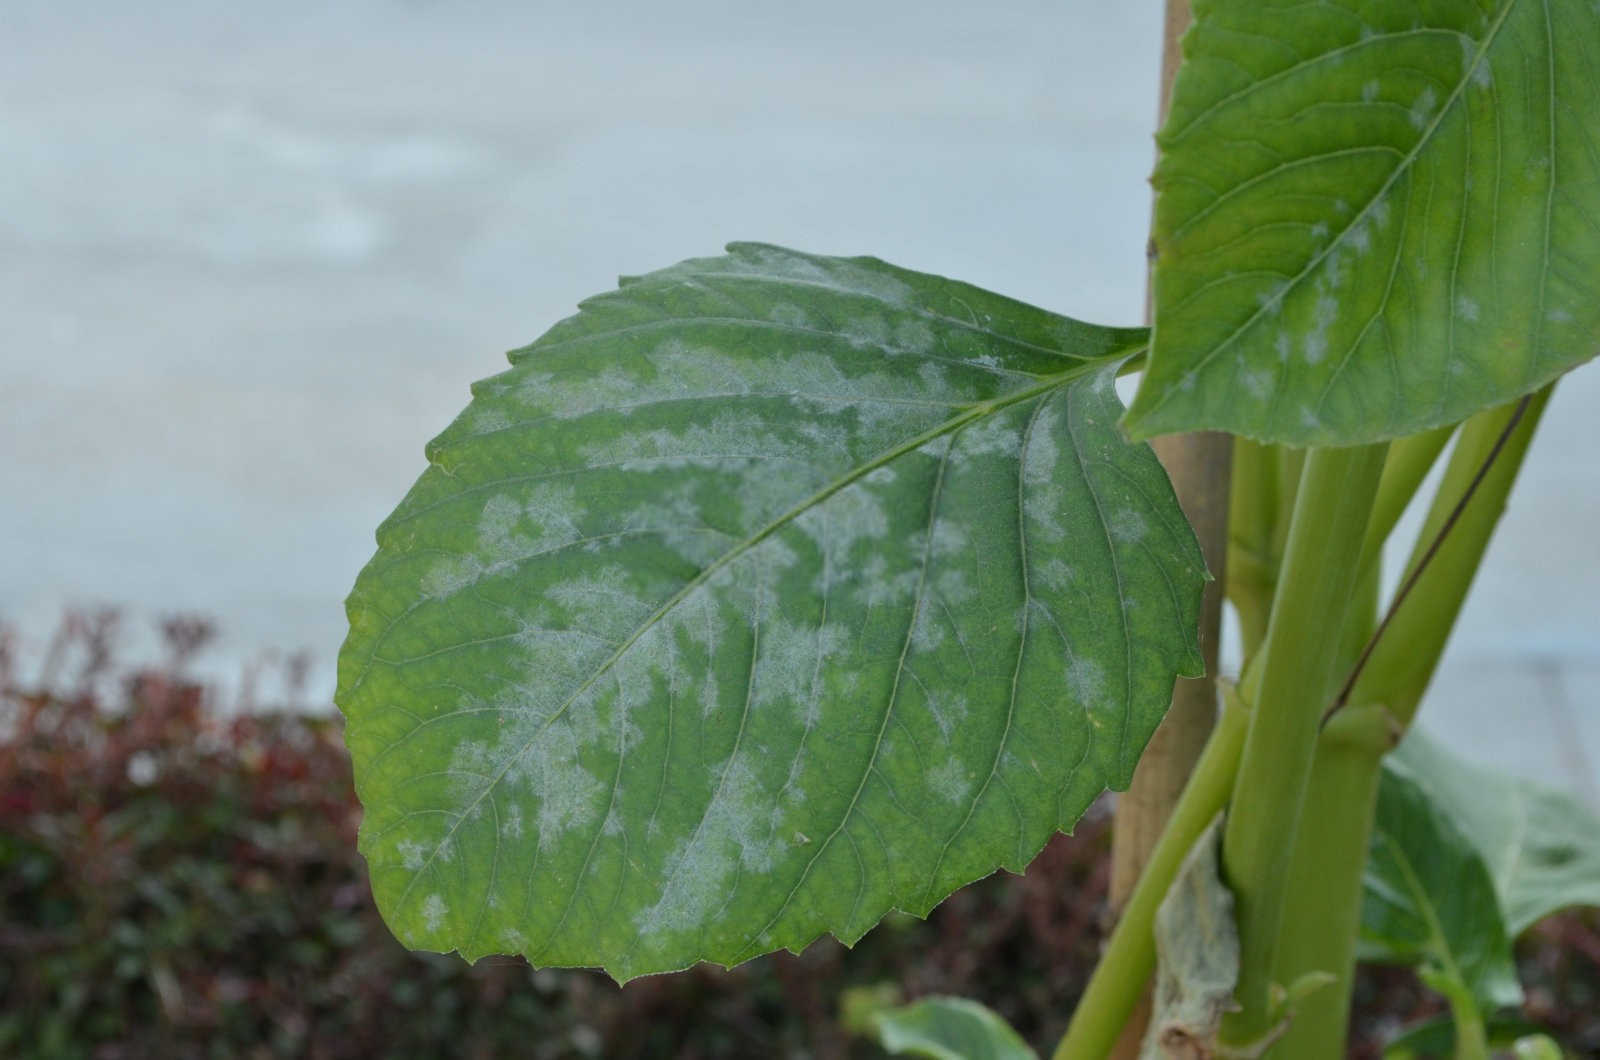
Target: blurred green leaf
949, 1028
1541, 847
1429, 899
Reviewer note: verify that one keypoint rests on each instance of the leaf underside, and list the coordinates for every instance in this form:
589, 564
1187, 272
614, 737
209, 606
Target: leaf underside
763, 596
1373, 219
1541, 847
1428, 897
949, 1028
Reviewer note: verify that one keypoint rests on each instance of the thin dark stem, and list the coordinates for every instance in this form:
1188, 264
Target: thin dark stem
1422, 564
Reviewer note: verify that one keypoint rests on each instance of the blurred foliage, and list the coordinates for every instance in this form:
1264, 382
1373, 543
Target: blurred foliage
176, 882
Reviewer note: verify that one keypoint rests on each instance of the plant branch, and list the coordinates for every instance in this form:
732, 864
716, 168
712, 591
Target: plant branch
1420, 566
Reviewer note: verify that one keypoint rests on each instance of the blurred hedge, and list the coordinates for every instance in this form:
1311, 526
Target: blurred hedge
176, 883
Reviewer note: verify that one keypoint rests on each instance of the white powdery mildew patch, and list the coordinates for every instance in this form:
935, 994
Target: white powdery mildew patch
988, 437
786, 660
1087, 680
950, 781
948, 710
1423, 106
1361, 238
1128, 526
553, 662
927, 626
869, 331
1259, 384
412, 854
490, 419
951, 587
832, 640
509, 533
949, 539
433, 912
542, 759
449, 576
606, 600
1369, 91
914, 336
1315, 346
1466, 309
877, 587
933, 376
1040, 500
1558, 315
511, 823
1053, 573
789, 315
734, 833
854, 514
727, 435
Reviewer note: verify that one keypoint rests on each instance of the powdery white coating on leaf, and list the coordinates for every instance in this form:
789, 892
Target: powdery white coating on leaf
950, 781
728, 837
716, 632
1422, 107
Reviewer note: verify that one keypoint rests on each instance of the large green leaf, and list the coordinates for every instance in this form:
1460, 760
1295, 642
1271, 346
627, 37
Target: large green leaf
763, 596
1373, 218
1428, 898
1542, 847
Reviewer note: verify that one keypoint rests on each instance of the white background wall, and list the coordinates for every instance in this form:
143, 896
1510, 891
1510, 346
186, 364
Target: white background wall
251, 259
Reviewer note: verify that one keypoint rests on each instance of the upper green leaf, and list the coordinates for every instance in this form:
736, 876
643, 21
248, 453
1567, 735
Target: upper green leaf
1372, 219
763, 596
1428, 898
1541, 847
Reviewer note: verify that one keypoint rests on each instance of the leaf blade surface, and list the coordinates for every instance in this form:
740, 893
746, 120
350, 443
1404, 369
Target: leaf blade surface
763, 596
1373, 219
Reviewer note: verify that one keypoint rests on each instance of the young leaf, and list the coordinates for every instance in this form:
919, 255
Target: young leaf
1373, 219
1542, 847
763, 596
1428, 898
949, 1028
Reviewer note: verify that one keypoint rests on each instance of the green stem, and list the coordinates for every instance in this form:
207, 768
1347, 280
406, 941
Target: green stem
1410, 460
1324, 912
1130, 954
1408, 646
1252, 515
1322, 916
1334, 501
1472, 1037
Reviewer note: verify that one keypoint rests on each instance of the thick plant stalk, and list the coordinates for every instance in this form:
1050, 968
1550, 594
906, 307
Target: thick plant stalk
1325, 875
1337, 488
